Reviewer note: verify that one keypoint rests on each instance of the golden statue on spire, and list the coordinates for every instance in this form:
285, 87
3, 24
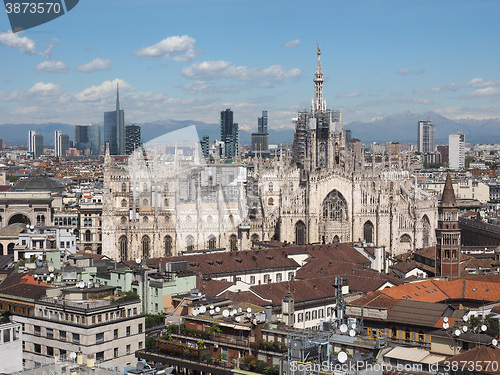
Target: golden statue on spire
319, 49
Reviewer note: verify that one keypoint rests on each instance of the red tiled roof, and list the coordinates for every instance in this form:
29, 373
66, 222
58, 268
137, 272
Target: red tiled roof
23, 285
484, 356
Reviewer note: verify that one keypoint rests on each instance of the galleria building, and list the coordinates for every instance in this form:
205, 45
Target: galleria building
167, 201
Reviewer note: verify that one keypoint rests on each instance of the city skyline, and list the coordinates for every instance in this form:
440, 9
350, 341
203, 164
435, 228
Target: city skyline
385, 59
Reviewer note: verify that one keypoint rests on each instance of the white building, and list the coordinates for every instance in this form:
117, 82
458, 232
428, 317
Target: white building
457, 151
80, 321
11, 348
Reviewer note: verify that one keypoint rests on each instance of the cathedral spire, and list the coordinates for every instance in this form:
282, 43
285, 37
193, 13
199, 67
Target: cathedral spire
318, 86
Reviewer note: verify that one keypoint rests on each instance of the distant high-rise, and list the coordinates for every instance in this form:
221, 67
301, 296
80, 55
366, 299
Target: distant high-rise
61, 144
348, 136
35, 144
426, 133
132, 138
229, 133
260, 140
205, 146
88, 139
1, 144
114, 128
456, 155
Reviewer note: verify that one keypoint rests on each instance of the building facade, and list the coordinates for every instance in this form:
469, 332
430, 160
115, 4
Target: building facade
324, 193
61, 144
88, 139
35, 144
426, 134
260, 140
456, 151
229, 133
132, 138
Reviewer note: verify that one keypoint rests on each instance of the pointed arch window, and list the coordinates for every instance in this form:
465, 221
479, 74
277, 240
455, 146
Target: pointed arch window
146, 243
123, 248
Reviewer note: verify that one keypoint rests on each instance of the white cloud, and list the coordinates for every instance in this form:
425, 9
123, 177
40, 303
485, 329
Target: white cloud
459, 112
22, 43
487, 92
292, 43
48, 52
95, 65
473, 83
53, 66
41, 88
404, 71
104, 91
209, 71
177, 48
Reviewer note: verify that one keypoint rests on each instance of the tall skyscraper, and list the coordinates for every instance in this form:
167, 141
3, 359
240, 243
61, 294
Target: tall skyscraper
88, 139
229, 133
456, 155
132, 138
448, 235
205, 146
426, 133
35, 144
61, 144
260, 140
114, 128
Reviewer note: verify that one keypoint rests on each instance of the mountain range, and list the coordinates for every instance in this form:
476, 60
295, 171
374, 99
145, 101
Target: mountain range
401, 127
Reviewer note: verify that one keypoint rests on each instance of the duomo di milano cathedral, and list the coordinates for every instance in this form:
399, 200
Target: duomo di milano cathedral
167, 201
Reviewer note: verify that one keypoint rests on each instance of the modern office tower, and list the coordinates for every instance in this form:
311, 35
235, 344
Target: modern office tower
132, 138
260, 140
426, 132
229, 133
456, 143
205, 146
114, 128
448, 235
443, 150
35, 144
61, 144
1, 144
88, 139
348, 136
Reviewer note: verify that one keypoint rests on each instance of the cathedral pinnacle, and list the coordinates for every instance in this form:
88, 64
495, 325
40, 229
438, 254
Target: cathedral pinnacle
319, 105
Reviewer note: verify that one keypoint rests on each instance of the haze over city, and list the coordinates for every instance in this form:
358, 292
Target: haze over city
189, 60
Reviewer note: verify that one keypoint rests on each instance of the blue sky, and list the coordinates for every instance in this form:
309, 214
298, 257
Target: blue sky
190, 59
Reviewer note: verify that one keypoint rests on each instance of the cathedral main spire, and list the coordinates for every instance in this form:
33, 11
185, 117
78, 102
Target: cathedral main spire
318, 105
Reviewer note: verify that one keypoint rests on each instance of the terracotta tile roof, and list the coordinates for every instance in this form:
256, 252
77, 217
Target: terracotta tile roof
23, 285
211, 287
405, 266
232, 262
246, 296
483, 355
376, 300
302, 290
343, 252
418, 313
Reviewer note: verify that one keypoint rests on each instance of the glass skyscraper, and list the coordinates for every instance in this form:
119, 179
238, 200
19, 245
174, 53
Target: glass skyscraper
229, 133
88, 137
114, 129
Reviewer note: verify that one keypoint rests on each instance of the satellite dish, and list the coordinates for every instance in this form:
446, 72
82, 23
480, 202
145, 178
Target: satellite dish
457, 332
138, 260
446, 325
217, 309
195, 312
484, 328
72, 355
465, 328
352, 333
465, 318
51, 275
225, 313
211, 307
494, 342
445, 319
342, 357
212, 312
240, 309
353, 325
343, 328
238, 319
231, 312
249, 310
203, 309
27, 226
32, 227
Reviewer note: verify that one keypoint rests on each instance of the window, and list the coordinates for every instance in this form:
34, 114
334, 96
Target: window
407, 335
115, 352
145, 247
99, 356
38, 348
6, 335
115, 334
76, 338
168, 246
140, 345
140, 328
38, 330
62, 335
127, 331
128, 349
308, 316
233, 242
190, 243
99, 337
290, 276
300, 317
278, 277
50, 351
252, 280
267, 278
50, 333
